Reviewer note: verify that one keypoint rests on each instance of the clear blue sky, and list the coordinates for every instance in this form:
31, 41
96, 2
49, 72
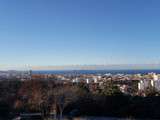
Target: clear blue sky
65, 32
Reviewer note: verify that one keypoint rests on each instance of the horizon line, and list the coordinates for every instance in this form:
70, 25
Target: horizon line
80, 67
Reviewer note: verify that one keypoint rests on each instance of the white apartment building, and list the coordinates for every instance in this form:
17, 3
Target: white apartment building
154, 82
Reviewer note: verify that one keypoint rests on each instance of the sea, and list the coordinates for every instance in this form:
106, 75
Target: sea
145, 71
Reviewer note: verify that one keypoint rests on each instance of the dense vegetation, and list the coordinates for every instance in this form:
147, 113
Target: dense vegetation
73, 99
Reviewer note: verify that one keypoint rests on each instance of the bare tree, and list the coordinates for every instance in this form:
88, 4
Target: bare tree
63, 96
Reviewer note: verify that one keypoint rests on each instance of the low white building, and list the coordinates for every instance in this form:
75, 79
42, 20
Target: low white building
76, 80
157, 85
87, 81
153, 82
144, 84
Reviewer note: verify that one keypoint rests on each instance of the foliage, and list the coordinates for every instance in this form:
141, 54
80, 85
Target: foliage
110, 89
151, 91
75, 99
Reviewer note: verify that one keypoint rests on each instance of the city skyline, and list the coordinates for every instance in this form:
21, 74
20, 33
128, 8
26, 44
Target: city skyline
85, 32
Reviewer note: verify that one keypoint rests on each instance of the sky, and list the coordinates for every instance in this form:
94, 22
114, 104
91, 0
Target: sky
79, 32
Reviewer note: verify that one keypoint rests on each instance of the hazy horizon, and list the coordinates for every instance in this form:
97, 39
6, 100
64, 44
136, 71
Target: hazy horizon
84, 67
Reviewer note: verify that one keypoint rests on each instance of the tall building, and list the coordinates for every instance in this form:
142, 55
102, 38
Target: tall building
154, 81
30, 74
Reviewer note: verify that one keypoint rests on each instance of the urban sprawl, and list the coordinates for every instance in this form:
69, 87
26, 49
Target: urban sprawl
132, 84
